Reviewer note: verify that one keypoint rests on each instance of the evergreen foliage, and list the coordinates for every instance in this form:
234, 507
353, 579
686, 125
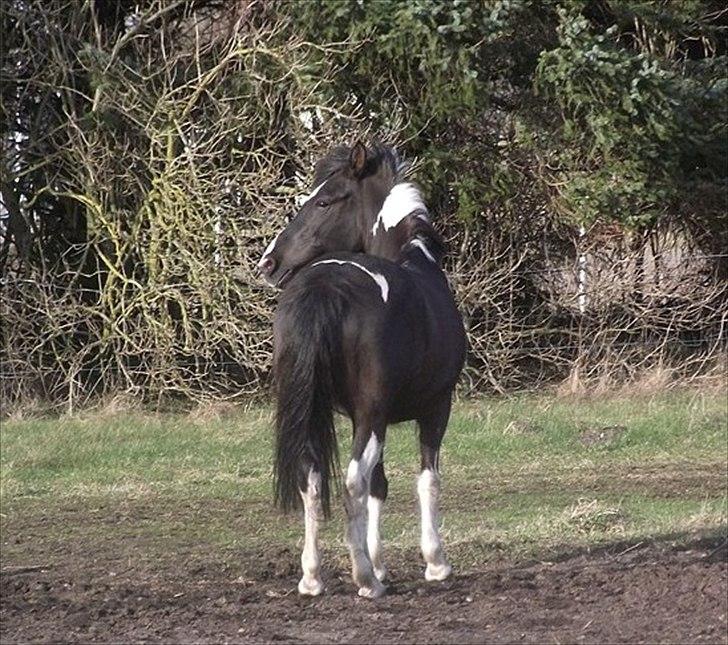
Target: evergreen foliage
619, 108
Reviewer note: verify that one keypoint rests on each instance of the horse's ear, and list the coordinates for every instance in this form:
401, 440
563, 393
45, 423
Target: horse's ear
358, 158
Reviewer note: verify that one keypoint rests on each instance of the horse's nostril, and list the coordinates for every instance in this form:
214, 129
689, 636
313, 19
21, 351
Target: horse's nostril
266, 265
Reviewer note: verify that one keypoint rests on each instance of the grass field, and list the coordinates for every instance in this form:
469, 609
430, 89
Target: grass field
523, 477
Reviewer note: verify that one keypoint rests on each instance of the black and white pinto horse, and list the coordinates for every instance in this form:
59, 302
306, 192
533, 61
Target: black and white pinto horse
367, 326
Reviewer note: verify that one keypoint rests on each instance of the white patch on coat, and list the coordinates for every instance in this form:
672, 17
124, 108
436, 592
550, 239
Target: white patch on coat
377, 277
402, 200
423, 247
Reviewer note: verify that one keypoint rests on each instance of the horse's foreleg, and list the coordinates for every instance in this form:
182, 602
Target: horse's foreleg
377, 497
358, 480
428, 490
310, 584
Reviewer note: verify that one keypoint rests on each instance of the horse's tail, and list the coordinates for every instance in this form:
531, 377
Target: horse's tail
307, 358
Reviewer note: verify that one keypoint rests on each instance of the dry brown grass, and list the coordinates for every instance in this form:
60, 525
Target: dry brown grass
592, 516
208, 411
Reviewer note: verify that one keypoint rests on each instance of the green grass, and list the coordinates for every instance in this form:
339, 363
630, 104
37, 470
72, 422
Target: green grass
525, 476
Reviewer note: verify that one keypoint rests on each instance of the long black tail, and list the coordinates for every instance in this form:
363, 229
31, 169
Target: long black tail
308, 332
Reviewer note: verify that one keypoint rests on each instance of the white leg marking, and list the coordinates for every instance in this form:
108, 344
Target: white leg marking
352, 475
358, 477
371, 454
428, 488
374, 538
310, 584
377, 277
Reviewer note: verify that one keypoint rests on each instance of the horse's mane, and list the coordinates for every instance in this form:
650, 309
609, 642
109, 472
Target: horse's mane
422, 229
378, 154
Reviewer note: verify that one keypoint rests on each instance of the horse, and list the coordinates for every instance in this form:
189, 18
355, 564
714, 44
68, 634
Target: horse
366, 325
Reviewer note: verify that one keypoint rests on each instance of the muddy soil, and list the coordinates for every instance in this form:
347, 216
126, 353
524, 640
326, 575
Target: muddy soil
643, 593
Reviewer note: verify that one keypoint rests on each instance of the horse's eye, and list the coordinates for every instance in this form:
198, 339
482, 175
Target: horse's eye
322, 203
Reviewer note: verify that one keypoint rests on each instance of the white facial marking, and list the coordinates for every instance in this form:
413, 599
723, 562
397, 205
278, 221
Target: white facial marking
377, 277
301, 200
402, 200
423, 247
268, 249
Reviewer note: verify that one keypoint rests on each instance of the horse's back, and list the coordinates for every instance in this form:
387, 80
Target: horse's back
400, 335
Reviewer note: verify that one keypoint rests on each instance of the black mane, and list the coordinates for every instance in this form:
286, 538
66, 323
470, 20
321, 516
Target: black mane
424, 231
338, 159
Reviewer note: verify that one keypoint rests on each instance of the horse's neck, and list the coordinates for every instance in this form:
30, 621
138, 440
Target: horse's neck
384, 245
412, 252
385, 236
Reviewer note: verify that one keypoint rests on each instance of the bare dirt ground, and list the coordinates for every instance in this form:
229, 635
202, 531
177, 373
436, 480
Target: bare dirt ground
641, 593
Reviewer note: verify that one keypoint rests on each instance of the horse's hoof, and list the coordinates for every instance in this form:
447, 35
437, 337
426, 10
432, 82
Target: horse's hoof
380, 573
310, 587
375, 591
437, 572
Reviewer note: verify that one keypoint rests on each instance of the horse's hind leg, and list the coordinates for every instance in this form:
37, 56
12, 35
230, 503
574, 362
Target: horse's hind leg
310, 584
377, 497
366, 450
432, 429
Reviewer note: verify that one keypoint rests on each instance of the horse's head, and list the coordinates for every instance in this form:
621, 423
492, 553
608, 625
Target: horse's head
358, 203
348, 186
